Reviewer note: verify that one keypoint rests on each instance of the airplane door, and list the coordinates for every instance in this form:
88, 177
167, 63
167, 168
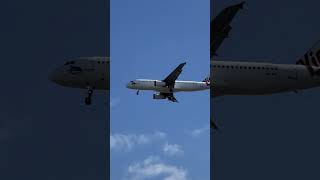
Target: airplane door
90, 74
290, 79
100, 74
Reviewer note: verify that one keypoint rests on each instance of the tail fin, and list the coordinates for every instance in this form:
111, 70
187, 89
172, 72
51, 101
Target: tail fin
207, 80
311, 59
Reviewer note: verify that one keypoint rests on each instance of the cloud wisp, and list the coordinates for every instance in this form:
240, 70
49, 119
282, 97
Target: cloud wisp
172, 149
126, 142
153, 167
198, 132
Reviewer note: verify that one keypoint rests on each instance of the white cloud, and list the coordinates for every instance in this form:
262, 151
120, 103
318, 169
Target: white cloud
172, 149
152, 167
127, 142
200, 131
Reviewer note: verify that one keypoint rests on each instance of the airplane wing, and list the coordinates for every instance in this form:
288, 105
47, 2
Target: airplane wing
220, 27
170, 80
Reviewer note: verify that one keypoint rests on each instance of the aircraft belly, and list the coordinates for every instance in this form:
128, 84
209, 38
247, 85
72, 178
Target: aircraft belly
245, 84
188, 87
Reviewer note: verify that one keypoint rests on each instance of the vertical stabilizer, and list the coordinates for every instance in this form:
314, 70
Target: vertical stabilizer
311, 59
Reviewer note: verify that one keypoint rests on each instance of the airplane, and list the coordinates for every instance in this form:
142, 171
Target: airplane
168, 86
257, 78
91, 73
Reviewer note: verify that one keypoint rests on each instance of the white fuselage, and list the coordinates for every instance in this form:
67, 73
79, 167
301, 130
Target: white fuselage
160, 86
250, 78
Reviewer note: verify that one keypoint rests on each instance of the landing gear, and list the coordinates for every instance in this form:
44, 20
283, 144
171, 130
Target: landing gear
88, 100
137, 92
172, 99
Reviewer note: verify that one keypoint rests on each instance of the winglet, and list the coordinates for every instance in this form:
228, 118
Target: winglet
181, 65
240, 5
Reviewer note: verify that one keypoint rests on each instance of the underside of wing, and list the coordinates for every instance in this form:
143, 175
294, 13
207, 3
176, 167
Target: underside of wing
220, 27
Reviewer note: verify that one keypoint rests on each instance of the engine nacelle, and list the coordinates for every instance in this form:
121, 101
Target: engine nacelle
158, 96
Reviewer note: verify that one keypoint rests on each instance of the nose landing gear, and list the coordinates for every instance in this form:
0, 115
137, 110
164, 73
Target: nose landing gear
88, 100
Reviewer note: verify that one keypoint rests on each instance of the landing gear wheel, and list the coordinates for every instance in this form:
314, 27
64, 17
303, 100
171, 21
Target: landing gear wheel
88, 100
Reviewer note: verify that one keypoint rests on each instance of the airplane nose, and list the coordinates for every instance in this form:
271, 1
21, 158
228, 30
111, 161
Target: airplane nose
130, 85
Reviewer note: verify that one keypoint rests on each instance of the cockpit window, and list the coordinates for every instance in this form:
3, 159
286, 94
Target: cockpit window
132, 82
75, 70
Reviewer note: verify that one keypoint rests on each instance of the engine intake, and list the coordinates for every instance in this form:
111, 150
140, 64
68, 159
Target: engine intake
158, 96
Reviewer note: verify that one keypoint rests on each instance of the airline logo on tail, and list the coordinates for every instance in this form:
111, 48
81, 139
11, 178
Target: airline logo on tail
207, 81
311, 60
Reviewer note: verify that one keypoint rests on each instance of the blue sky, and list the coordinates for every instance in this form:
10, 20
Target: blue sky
148, 40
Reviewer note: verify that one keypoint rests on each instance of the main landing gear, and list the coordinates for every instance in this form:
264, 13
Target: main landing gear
172, 99
88, 98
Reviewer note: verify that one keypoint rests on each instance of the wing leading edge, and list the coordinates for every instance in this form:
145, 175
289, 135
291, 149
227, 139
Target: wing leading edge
173, 76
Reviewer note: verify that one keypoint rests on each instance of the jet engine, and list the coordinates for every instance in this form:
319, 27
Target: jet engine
159, 96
